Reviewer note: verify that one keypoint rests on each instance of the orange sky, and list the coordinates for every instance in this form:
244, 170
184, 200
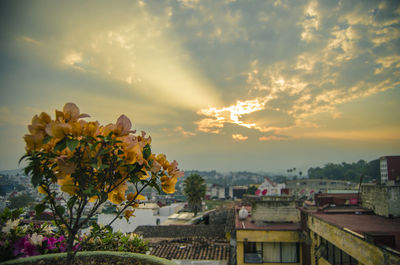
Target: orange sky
225, 85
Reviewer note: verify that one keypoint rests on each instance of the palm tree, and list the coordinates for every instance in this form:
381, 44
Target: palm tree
195, 190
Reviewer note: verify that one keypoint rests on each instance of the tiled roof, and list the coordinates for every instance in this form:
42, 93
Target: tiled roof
195, 248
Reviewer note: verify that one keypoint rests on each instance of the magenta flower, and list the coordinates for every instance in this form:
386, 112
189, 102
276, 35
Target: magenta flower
24, 248
51, 242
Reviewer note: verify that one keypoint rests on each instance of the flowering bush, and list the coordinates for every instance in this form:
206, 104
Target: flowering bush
79, 165
18, 240
30, 240
106, 239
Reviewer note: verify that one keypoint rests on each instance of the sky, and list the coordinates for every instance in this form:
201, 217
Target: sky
219, 85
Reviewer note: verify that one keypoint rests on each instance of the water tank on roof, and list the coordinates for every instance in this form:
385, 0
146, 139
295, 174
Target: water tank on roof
243, 213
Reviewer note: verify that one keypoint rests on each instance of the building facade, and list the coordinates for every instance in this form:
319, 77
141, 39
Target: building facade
268, 231
308, 187
390, 169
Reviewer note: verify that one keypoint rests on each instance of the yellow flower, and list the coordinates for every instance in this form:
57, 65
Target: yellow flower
168, 184
93, 199
128, 213
42, 190
91, 128
118, 194
71, 112
58, 129
135, 196
71, 189
65, 166
33, 142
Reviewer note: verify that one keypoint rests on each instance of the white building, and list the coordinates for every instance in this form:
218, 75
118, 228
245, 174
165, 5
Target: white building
268, 187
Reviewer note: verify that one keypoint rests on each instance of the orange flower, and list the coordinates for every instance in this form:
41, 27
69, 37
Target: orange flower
42, 190
135, 196
33, 142
168, 184
118, 195
128, 213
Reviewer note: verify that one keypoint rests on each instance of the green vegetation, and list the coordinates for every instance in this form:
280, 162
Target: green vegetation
21, 201
194, 190
345, 171
212, 204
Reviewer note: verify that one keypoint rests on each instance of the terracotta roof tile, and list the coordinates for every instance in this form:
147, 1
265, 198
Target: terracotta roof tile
195, 248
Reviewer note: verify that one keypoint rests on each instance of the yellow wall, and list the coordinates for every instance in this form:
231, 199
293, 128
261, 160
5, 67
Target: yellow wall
356, 247
264, 236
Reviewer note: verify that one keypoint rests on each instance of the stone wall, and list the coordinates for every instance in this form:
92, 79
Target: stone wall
383, 200
275, 211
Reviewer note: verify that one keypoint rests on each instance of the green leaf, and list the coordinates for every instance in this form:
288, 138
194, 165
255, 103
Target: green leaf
72, 144
104, 167
61, 145
36, 179
60, 209
22, 158
47, 139
146, 151
71, 202
39, 208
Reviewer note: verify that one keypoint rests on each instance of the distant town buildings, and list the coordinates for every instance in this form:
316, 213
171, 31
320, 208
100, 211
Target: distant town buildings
390, 169
308, 187
270, 188
334, 229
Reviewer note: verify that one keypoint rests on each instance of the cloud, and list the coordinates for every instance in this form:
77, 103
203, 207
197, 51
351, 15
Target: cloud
310, 22
179, 129
216, 118
239, 137
341, 65
29, 40
272, 138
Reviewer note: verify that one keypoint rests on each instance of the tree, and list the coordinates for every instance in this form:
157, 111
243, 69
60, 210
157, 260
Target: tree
251, 190
194, 190
79, 165
20, 201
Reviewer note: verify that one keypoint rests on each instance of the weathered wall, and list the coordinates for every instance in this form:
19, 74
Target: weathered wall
383, 200
264, 236
200, 262
356, 247
275, 211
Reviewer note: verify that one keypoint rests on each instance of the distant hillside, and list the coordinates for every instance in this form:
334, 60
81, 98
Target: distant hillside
12, 172
345, 171
239, 178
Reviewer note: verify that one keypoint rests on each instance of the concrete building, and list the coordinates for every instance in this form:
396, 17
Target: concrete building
348, 234
268, 231
336, 231
308, 187
269, 188
347, 228
390, 169
382, 199
239, 191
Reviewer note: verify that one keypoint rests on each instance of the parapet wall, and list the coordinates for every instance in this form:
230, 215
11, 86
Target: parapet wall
383, 200
275, 211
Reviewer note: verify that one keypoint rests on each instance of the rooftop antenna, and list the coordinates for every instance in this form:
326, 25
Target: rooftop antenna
359, 188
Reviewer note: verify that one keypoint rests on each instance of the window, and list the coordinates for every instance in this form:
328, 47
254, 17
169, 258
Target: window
271, 252
252, 252
336, 256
